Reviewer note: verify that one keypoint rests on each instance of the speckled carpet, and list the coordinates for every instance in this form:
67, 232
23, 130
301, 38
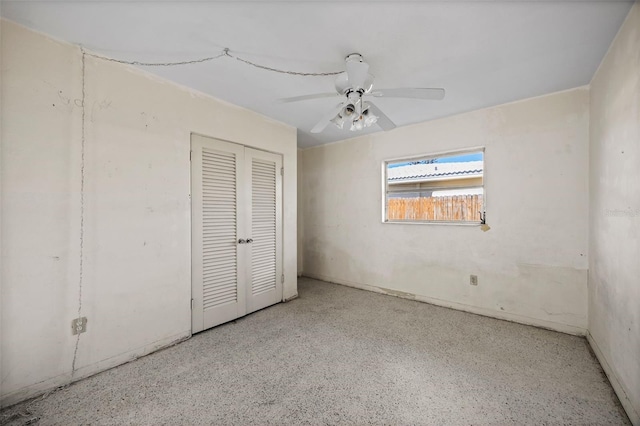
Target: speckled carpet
338, 355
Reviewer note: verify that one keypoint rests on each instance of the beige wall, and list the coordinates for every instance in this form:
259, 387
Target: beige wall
614, 267
1, 236
531, 264
136, 281
300, 219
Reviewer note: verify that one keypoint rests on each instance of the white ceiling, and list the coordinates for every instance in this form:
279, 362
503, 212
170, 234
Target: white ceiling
483, 52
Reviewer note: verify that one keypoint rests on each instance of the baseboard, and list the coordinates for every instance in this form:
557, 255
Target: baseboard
40, 388
618, 387
507, 316
289, 299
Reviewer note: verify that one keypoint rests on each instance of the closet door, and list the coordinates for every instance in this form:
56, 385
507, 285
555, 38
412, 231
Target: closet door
263, 201
218, 221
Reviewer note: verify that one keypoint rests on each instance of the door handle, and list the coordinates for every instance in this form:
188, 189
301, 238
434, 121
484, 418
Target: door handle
242, 241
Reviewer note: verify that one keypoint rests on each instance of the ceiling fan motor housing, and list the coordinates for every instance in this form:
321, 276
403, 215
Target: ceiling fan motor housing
354, 57
344, 85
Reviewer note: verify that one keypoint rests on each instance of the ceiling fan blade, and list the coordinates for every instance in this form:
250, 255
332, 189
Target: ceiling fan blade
414, 93
327, 118
383, 121
306, 97
357, 72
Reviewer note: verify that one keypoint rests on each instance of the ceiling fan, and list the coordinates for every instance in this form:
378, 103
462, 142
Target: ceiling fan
357, 111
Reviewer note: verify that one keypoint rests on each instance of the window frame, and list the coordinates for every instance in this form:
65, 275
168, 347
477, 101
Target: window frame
385, 190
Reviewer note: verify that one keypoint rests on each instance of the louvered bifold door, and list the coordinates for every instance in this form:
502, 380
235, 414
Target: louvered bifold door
218, 266
264, 200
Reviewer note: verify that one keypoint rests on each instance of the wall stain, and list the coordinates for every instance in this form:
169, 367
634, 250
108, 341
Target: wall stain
64, 99
100, 105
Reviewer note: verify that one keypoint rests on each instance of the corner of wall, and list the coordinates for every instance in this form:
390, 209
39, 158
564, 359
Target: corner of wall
301, 241
616, 383
613, 327
1, 192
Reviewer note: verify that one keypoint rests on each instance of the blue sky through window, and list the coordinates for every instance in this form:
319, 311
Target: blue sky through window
462, 158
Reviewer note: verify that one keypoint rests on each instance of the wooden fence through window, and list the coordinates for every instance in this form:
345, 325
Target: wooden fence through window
456, 208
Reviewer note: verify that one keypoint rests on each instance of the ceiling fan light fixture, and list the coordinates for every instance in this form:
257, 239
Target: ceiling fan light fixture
338, 120
356, 84
370, 120
348, 110
365, 119
343, 116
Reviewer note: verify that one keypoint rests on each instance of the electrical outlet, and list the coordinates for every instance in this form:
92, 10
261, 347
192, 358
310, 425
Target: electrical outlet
473, 279
79, 325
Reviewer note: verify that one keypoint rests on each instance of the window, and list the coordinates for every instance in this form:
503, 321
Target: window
442, 188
